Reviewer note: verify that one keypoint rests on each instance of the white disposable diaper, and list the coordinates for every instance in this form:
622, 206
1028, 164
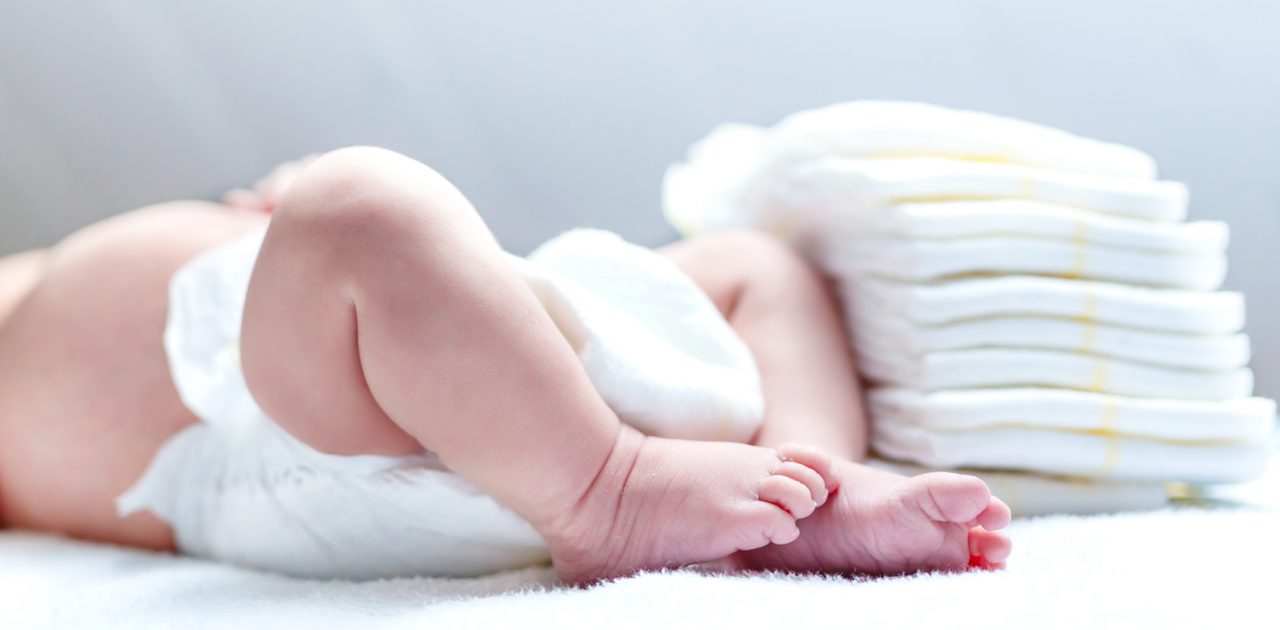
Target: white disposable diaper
883, 333
717, 187
796, 196
1026, 218
921, 260
1097, 455
237, 487
1087, 412
894, 129
1012, 367
1189, 312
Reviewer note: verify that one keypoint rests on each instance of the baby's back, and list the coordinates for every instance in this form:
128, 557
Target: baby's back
85, 393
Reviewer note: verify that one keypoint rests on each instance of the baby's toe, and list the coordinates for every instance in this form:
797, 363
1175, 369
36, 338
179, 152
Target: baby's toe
988, 549
787, 493
816, 460
947, 497
766, 523
243, 199
995, 516
816, 485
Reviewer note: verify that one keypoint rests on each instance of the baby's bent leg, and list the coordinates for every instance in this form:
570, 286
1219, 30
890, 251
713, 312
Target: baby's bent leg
786, 313
382, 317
875, 521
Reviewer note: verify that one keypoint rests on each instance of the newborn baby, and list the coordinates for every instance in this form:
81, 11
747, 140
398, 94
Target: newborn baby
383, 319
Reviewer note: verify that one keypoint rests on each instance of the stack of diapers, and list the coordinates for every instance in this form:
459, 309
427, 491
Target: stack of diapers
1022, 302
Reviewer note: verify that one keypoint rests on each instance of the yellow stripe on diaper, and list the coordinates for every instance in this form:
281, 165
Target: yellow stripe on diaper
1001, 155
1107, 430
1087, 336
1101, 368
1079, 243
1088, 307
1026, 188
1088, 321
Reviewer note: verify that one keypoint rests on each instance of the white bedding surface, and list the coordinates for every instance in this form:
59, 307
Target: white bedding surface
1183, 567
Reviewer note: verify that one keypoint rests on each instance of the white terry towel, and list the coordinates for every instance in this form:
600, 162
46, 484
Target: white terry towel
1016, 367
1188, 312
921, 260
880, 332
1047, 408
1099, 455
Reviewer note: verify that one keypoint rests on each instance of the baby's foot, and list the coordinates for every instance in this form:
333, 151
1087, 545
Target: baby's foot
881, 523
267, 191
667, 503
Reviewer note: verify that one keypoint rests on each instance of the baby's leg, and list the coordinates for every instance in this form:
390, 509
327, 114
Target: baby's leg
383, 318
875, 521
785, 311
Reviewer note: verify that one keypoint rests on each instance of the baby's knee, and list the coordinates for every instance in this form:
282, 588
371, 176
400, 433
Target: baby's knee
360, 195
762, 261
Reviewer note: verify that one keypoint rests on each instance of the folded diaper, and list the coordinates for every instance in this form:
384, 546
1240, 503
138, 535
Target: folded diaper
237, 487
891, 129
708, 191
920, 260
1088, 412
881, 332
1011, 367
1066, 432
1098, 455
1189, 312
810, 193
855, 184
1028, 218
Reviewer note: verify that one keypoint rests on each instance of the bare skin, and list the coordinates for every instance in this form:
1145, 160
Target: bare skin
380, 281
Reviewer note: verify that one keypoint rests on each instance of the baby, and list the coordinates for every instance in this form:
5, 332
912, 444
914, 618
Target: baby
382, 318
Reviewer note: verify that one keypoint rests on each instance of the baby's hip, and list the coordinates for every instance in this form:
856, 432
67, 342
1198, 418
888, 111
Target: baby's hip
85, 393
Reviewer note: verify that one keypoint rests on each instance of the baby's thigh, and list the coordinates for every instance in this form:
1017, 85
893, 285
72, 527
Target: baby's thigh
725, 265
85, 393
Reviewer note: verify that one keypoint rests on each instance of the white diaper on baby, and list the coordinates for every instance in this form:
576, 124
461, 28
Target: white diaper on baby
237, 487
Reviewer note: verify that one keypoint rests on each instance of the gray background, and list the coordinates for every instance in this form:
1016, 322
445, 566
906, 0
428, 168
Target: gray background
554, 114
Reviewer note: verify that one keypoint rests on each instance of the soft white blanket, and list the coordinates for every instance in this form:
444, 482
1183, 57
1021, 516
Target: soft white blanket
1185, 567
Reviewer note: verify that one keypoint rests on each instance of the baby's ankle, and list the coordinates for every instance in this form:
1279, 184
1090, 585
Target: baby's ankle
574, 528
